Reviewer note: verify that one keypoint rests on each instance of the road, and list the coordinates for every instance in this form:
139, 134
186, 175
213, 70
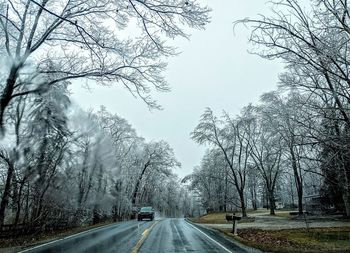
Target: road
163, 236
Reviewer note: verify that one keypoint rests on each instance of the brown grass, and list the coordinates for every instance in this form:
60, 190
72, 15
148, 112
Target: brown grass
220, 218
213, 218
296, 240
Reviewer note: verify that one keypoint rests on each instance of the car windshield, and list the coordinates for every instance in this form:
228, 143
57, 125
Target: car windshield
146, 209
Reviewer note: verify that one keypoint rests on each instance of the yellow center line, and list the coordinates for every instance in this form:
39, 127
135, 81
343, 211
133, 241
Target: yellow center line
144, 232
143, 238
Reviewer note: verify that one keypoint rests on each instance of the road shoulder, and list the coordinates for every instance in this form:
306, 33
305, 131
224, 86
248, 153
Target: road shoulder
18, 244
228, 242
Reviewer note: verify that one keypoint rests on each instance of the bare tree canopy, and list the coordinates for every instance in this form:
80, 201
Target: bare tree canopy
46, 42
312, 40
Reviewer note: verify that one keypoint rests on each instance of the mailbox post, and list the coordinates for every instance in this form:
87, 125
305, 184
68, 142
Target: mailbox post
234, 219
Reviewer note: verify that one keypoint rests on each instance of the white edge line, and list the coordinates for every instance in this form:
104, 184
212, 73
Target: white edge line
41, 245
64, 238
210, 238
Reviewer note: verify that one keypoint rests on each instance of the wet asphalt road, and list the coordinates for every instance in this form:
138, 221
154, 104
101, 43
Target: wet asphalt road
163, 236
177, 235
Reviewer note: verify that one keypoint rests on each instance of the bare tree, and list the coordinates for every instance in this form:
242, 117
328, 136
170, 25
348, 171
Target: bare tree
266, 149
46, 42
211, 180
314, 46
228, 137
158, 157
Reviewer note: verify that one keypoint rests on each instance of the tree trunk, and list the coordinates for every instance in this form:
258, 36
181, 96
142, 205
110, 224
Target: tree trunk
82, 191
272, 202
243, 206
6, 194
292, 193
346, 190
300, 201
346, 199
298, 181
26, 212
226, 189
254, 205
136, 189
41, 170
18, 211
253, 196
267, 199
14, 194
6, 95
96, 218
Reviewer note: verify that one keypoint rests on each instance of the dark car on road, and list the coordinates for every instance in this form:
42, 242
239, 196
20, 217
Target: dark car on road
145, 213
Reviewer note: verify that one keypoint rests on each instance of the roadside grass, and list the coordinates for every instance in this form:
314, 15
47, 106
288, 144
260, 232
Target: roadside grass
39, 238
282, 214
212, 218
296, 240
261, 211
217, 218
220, 218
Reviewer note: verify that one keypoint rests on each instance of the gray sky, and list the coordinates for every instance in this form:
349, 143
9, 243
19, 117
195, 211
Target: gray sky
214, 70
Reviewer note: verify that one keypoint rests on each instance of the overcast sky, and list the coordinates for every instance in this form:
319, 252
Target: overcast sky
214, 70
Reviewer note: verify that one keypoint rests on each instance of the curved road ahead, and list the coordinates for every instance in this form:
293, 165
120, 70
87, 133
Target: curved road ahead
163, 236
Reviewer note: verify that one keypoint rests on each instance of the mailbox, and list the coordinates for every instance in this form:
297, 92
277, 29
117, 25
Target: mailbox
234, 219
231, 217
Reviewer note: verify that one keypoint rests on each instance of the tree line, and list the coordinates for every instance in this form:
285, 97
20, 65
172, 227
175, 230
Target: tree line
294, 143
82, 168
